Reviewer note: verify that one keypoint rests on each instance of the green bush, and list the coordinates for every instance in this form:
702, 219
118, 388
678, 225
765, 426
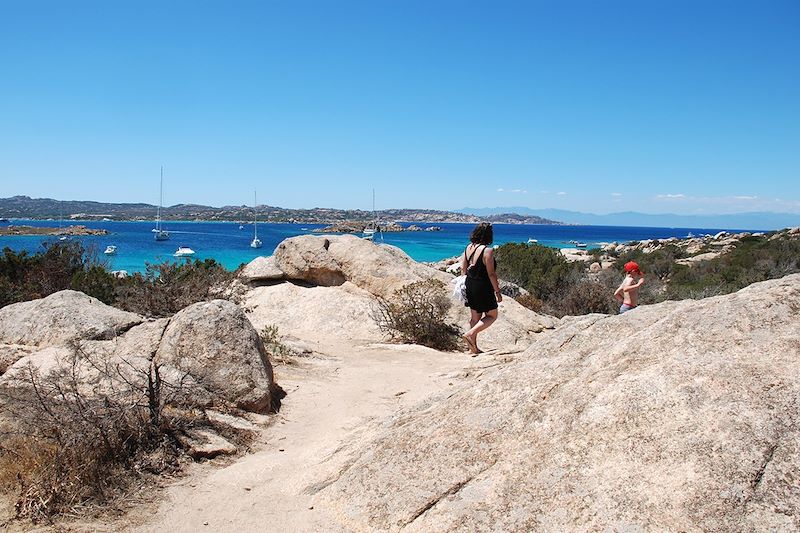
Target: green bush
96, 282
166, 288
541, 270
417, 314
25, 276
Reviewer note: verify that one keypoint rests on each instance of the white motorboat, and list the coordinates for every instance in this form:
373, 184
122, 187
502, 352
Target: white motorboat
183, 251
532, 241
111, 250
256, 242
159, 233
581, 244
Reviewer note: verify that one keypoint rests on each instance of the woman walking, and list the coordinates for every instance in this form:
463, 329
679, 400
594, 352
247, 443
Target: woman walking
483, 290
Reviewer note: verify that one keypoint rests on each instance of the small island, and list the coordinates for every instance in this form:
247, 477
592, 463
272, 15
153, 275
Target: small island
72, 231
354, 226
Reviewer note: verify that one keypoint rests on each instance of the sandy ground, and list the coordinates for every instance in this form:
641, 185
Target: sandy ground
332, 400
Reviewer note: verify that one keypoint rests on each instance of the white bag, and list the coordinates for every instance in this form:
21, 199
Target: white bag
460, 289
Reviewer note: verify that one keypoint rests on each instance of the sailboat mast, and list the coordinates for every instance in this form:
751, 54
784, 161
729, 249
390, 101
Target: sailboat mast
255, 214
160, 199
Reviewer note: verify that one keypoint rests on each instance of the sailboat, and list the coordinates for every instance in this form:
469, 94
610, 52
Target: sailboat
160, 234
374, 227
256, 242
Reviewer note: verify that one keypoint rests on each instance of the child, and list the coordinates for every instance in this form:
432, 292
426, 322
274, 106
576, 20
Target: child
628, 292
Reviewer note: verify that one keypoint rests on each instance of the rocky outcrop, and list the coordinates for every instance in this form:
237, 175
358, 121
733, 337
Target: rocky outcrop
341, 277
314, 313
215, 344
206, 355
699, 248
60, 318
681, 416
331, 260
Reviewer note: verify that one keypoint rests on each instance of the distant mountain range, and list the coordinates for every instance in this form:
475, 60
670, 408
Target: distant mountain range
743, 221
24, 207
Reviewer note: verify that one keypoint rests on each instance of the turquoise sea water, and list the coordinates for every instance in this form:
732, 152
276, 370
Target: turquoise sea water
229, 245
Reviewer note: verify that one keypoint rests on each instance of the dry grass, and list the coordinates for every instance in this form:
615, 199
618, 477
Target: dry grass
66, 446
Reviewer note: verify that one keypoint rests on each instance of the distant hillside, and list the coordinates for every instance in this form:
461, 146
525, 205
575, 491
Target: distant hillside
744, 221
46, 208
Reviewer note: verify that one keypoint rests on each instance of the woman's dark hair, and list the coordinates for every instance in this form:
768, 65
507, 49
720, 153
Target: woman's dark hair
482, 234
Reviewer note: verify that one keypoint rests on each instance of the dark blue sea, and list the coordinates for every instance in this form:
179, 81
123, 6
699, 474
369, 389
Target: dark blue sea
230, 245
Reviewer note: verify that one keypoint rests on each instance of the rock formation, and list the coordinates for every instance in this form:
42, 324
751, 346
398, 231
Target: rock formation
340, 277
331, 260
62, 317
207, 355
681, 416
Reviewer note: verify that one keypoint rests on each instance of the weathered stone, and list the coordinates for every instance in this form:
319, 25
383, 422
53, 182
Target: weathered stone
333, 259
62, 317
216, 344
233, 422
204, 444
262, 269
681, 416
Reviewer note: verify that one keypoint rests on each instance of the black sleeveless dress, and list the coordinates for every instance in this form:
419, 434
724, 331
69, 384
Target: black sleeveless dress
480, 293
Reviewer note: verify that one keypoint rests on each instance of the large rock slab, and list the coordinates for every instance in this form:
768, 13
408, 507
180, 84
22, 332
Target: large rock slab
62, 317
331, 260
217, 346
681, 416
337, 314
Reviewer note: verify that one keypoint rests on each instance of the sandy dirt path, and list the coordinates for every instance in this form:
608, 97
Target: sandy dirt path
332, 401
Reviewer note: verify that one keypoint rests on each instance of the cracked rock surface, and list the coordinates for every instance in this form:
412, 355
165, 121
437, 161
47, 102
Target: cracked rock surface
681, 416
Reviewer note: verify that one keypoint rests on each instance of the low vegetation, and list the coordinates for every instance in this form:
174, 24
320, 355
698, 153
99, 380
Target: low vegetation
561, 288
73, 446
752, 259
417, 314
162, 290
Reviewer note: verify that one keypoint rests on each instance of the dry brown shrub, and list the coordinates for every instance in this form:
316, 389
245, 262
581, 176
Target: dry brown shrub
417, 314
531, 302
67, 447
583, 298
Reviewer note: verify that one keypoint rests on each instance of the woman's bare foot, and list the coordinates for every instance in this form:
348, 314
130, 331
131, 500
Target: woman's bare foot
473, 346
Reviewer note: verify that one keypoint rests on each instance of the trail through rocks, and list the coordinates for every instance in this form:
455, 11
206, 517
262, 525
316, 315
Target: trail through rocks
333, 399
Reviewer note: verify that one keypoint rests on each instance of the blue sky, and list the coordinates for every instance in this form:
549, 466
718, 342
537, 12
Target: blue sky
654, 106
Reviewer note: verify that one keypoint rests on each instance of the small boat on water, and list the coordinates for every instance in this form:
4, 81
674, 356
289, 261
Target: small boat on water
183, 251
111, 250
368, 234
690, 235
581, 244
532, 241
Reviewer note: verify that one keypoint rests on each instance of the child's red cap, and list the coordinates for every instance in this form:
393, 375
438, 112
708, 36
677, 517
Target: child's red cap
632, 266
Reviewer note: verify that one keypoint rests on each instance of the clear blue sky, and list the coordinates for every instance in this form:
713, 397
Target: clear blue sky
655, 106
